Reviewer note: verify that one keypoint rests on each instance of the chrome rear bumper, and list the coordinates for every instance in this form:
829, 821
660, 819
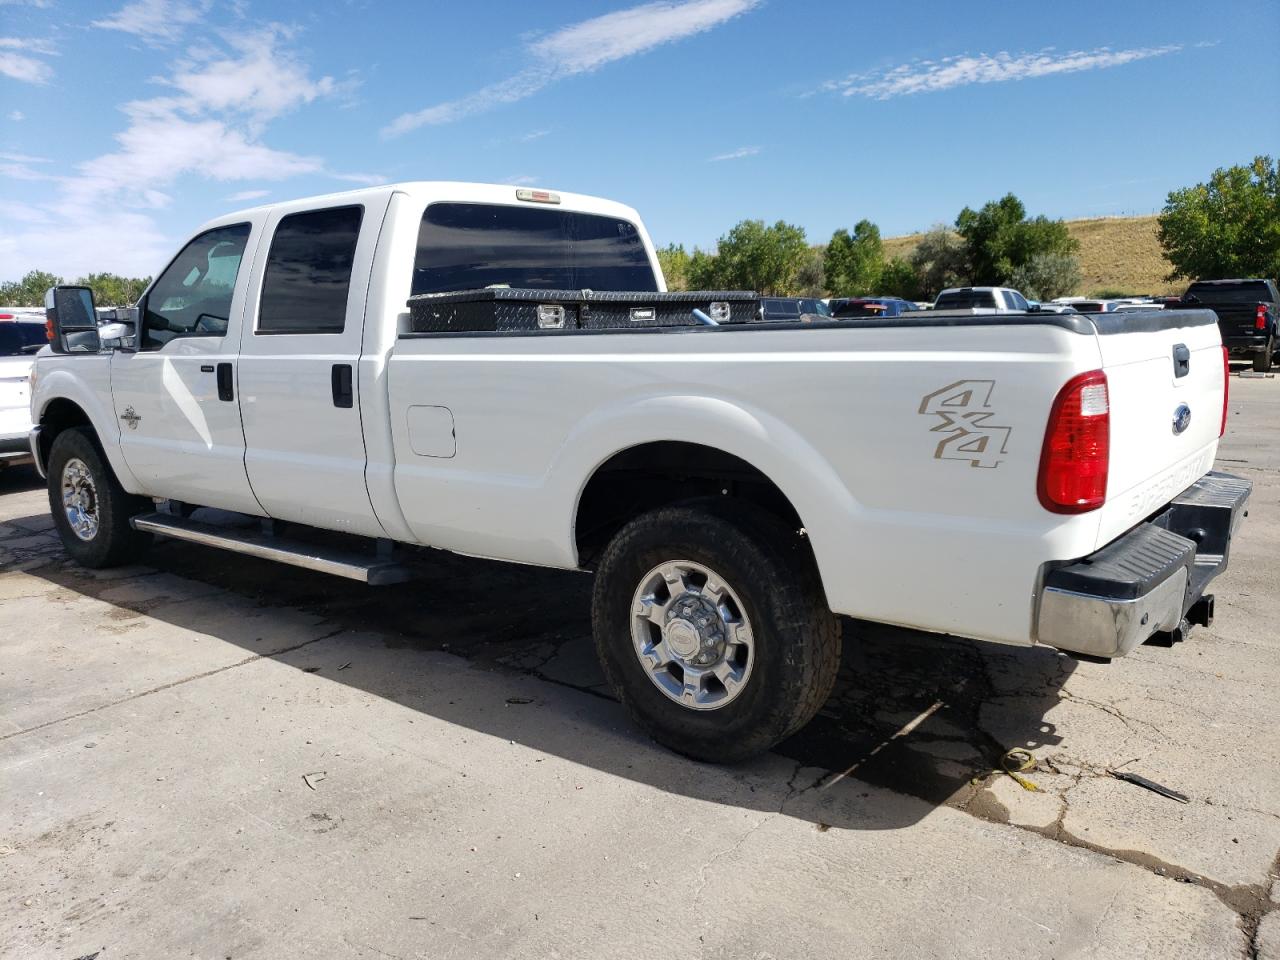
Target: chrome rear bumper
1145, 582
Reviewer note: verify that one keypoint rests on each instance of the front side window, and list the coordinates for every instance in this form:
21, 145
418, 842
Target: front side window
308, 275
192, 298
470, 246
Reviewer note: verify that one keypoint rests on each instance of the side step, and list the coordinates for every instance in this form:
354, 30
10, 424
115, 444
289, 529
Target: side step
342, 563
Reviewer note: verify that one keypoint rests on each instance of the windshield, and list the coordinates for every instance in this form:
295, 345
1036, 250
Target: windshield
1242, 291
21, 339
470, 246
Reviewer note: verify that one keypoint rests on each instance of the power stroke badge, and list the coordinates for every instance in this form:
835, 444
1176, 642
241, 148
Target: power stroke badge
964, 415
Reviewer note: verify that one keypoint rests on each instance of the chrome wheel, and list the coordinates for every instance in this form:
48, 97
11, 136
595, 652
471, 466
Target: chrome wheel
80, 499
691, 635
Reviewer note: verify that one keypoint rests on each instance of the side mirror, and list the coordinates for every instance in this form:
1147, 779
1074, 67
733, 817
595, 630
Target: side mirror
1033, 306
72, 320
117, 334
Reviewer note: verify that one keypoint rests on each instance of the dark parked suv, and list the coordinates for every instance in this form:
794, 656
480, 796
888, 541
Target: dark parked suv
1248, 311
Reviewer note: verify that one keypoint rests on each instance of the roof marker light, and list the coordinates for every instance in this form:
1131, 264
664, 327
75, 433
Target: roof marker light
537, 196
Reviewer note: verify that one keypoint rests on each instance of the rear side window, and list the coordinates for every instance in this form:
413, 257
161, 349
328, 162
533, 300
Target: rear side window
308, 275
470, 246
19, 338
192, 298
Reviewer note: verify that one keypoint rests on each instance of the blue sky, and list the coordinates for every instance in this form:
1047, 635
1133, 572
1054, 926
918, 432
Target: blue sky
123, 125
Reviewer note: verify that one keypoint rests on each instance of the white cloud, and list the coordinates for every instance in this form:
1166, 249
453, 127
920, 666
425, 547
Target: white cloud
40, 4
23, 158
583, 47
17, 116
734, 154
19, 59
209, 123
520, 180
155, 21
362, 179
245, 195
534, 135
929, 76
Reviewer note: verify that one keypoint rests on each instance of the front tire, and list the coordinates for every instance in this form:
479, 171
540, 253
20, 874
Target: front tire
1262, 361
713, 630
91, 511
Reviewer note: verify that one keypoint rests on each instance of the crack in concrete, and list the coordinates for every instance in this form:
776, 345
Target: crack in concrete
173, 683
1112, 710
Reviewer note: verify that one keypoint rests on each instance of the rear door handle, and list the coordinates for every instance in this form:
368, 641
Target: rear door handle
226, 389
340, 379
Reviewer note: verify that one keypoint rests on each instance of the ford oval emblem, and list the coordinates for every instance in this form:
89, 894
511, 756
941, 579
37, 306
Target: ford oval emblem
1181, 418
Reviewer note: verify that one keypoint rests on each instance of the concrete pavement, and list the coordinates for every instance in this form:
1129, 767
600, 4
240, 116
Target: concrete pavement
209, 756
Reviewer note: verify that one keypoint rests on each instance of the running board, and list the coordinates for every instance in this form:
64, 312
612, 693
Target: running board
341, 563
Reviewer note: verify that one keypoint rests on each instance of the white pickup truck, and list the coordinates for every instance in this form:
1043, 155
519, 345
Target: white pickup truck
734, 485
22, 334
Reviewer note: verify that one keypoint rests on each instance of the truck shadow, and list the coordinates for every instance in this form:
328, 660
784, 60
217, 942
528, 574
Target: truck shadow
921, 715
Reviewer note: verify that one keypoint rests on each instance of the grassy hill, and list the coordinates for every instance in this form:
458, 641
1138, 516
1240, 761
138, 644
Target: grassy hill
1116, 253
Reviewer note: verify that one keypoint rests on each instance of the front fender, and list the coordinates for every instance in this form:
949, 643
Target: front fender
89, 389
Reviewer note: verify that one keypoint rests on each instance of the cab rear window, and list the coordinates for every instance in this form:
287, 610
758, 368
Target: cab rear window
470, 246
965, 300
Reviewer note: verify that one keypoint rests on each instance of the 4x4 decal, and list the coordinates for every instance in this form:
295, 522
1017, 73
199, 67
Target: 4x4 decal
964, 412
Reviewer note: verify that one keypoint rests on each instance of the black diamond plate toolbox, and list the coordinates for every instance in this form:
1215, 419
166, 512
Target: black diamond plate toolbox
506, 310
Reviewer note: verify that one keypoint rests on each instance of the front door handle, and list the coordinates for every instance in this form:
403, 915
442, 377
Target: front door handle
340, 379
226, 390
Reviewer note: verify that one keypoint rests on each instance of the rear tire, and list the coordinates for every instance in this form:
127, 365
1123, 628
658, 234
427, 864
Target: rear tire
739, 654
91, 511
1263, 361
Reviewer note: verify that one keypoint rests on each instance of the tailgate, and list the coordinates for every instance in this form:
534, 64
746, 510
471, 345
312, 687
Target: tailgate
1165, 381
1238, 320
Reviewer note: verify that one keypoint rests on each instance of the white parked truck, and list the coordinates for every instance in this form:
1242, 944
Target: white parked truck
735, 486
22, 334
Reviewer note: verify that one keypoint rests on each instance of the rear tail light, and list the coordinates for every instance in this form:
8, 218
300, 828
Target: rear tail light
1260, 317
48, 330
7, 316
1226, 389
1077, 447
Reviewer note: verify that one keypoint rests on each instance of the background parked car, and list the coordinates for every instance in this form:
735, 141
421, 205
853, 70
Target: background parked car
870, 307
22, 333
982, 300
1248, 314
1094, 306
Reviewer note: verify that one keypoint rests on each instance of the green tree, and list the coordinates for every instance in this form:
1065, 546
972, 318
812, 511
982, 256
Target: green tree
939, 261
29, 291
855, 260
1047, 275
110, 290
674, 260
1000, 238
1228, 227
704, 271
811, 279
753, 256
899, 279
